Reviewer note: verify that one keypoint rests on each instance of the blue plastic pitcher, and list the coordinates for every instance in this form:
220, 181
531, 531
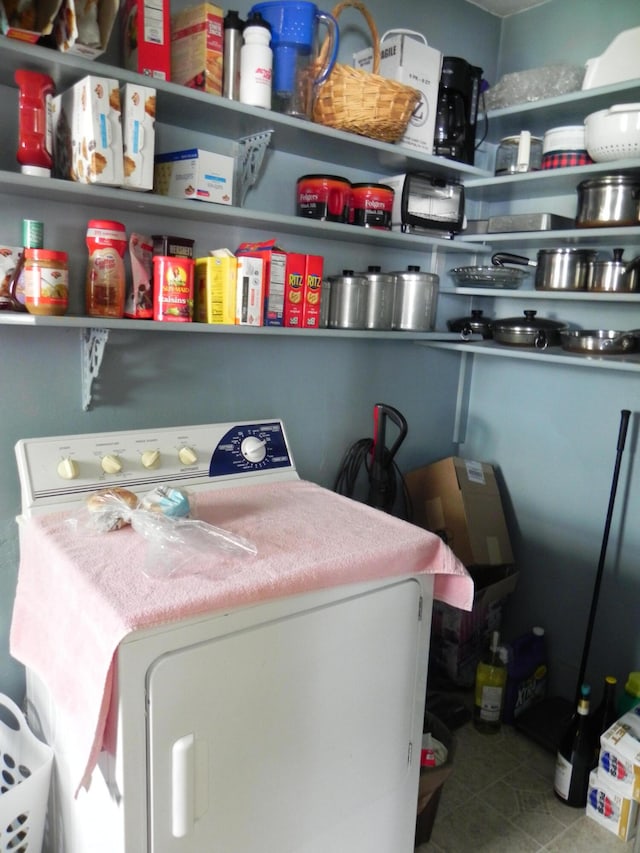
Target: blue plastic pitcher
294, 41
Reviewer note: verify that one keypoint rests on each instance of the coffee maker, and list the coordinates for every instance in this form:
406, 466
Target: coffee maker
457, 111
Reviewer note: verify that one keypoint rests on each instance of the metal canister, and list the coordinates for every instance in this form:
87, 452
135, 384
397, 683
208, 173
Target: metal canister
348, 301
325, 300
415, 300
380, 291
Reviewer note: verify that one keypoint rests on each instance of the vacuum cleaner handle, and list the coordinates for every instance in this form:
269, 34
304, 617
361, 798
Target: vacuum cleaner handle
380, 414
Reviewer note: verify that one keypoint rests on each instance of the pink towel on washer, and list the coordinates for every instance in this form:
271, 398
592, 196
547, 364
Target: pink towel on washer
79, 593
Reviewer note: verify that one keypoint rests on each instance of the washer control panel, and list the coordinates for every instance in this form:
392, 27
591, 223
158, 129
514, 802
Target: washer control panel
63, 469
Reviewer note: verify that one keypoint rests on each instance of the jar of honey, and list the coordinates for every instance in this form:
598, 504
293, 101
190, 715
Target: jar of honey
46, 282
105, 282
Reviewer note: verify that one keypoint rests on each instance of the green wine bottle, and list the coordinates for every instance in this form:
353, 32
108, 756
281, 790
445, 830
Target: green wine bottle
576, 756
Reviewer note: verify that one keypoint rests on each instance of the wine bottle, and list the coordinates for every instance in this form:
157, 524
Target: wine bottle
576, 755
491, 679
606, 714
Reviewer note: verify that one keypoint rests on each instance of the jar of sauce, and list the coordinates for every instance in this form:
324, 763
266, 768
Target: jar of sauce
105, 282
46, 282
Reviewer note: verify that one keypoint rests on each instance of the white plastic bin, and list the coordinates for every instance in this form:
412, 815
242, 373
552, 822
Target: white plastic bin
25, 775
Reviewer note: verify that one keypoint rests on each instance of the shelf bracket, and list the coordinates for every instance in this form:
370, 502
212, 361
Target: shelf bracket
92, 345
252, 151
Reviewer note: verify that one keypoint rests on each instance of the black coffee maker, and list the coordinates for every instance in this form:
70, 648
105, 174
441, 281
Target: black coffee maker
457, 112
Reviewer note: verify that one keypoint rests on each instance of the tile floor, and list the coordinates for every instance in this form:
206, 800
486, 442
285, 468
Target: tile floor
499, 799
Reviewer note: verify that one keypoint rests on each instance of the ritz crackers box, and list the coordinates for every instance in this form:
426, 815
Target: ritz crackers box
294, 289
312, 292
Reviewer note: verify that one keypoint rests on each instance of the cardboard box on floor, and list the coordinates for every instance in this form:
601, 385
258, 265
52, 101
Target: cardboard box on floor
459, 500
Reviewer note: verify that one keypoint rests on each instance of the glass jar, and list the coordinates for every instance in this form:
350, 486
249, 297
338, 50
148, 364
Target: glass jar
46, 282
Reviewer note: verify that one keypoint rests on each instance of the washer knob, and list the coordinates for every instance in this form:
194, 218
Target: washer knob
111, 464
253, 449
150, 458
187, 456
67, 469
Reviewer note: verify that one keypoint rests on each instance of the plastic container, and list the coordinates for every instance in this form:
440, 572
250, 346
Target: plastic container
25, 769
565, 146
105, 281
326, 197
526, 674
371, 205
256, 62
631, 695
46, 282
173, 289
34, 122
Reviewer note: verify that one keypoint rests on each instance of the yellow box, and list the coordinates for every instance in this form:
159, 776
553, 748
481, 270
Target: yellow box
215, 288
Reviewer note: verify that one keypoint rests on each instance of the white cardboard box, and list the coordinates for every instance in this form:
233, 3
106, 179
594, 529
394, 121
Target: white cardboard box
88, 132
195, 174
407, 58
611, 809
250, 290
620, 754
138, 135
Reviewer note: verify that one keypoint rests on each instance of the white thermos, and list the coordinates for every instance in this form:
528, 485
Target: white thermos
256, 61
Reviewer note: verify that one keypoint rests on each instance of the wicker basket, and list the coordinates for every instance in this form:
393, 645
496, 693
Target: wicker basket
360, 102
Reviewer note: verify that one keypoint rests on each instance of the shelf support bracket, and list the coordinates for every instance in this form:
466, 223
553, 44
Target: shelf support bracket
462, 399
92, 345
252, 151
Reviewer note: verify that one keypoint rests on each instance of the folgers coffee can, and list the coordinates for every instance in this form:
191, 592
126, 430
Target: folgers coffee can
371, 205
324, 197
172, 289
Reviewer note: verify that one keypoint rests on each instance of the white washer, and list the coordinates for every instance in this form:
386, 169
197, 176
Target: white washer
290, 725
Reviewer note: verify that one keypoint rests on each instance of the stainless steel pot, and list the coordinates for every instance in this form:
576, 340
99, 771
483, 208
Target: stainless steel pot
598, 341
556, 269
527, 331
615, 276
610, 200
477, 324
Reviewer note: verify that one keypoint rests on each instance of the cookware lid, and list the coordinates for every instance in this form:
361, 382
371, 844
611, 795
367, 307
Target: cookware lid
476, 322
528, 323
585, 254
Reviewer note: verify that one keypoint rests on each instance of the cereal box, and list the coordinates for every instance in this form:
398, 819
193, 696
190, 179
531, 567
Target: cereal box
215, 287
138, 105
9, 257
195, 174
275, 260
312, 291
294, 289
249, 298
87, 139
146, 37
139, 297
197, 48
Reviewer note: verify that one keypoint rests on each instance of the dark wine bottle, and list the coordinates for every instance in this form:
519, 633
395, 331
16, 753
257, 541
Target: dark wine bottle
576, 755
606, 714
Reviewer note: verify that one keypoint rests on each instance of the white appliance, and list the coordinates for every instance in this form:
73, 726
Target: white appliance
288, 726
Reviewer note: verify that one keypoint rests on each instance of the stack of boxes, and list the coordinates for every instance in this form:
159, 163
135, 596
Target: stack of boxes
261, 285
614, 786
459, 499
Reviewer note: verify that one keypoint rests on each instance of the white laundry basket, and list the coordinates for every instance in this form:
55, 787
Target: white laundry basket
25, 774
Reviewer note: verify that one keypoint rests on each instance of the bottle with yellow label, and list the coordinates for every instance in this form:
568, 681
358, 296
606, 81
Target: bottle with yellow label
491, 679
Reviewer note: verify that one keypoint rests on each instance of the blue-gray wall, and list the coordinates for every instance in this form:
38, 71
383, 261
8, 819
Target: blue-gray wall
550, 431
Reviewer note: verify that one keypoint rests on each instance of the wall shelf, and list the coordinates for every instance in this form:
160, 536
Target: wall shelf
572, 108
527, 293
552, 355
